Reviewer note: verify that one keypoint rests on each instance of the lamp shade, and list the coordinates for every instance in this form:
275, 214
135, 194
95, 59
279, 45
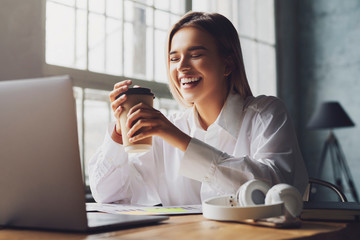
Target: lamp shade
329, 115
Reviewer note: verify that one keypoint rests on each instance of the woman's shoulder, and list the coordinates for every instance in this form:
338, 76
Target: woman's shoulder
264, 103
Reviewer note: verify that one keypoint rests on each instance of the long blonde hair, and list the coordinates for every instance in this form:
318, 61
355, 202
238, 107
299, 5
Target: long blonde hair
228, 43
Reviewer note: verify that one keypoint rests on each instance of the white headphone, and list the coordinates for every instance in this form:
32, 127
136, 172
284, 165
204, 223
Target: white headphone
255, 200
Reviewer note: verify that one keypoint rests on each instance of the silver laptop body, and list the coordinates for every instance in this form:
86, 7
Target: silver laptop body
41, 183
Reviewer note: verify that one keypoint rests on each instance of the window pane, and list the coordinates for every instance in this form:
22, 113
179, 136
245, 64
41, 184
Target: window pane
161, 4
265, 21
82, 36
80, 60
129, 11
114, 8
162, 20
135, 45
97, 116
177, 7
97, 6
267, 69
249, 51
149, 16
144, 2
66, 2
113, 50
139, 44
160, 56
226, 8
81, 4
149, 53
128, 49
96, 43
60, 34
204, 5
246, 18
173, 20
78, 93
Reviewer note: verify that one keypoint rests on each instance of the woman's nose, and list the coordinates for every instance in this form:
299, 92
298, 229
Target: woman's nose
183, 65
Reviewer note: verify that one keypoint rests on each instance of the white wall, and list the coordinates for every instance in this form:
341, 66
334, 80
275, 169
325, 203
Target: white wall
21, 39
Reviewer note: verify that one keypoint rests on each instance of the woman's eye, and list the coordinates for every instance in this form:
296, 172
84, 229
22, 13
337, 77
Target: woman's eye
195, 55
173, 59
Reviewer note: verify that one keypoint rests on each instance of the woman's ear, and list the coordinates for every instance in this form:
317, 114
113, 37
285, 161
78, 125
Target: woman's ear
229, 66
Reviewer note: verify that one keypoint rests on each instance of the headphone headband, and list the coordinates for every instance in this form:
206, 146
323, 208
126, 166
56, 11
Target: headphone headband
226, 209
280, 200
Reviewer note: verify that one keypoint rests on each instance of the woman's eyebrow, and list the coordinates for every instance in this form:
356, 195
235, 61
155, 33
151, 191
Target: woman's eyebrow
172, 52
197, 48
193, 48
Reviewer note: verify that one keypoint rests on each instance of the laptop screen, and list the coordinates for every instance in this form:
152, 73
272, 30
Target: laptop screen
40, 172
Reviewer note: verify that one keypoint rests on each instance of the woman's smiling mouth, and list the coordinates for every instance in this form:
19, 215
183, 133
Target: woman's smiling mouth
189, 81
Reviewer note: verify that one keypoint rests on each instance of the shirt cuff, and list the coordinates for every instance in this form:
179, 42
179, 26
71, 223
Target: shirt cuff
199, 161
115, 152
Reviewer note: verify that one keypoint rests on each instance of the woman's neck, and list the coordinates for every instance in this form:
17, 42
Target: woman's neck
209, 111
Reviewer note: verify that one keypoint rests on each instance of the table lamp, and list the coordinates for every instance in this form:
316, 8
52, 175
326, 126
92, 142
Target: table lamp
331, 115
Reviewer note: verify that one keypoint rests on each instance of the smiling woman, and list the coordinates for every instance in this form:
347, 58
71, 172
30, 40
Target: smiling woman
205, 37
198, 71
99, 43
224, 138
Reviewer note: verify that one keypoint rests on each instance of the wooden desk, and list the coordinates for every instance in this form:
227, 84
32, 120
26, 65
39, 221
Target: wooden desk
197, 227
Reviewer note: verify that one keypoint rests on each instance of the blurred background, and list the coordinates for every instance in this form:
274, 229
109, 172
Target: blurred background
305, 52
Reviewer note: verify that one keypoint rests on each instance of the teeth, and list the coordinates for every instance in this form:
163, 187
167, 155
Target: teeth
189, 80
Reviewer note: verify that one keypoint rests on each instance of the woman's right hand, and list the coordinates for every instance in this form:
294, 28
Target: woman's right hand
116, 105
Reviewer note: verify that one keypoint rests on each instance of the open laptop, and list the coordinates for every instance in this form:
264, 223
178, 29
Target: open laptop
41, 182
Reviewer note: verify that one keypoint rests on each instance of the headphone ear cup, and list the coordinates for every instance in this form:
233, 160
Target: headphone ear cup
287, 194
252, 193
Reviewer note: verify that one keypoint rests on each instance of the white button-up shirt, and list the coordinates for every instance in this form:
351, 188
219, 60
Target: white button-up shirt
250, 139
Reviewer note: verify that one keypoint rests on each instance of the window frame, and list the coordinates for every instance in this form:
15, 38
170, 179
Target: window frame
101, 81
85, 79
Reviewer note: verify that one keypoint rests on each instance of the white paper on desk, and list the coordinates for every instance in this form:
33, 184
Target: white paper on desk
144, 210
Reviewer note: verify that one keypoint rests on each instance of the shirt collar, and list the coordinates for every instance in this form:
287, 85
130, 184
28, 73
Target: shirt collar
229, 118
195, 124
231, 115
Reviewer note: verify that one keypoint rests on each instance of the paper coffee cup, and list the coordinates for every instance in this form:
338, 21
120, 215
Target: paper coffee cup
135, 96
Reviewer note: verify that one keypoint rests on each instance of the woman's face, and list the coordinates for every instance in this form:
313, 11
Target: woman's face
196, 67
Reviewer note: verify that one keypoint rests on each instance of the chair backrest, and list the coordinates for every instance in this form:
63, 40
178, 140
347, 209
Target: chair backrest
315, 181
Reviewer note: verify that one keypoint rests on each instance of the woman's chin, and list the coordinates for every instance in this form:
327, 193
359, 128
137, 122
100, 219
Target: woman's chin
189, 98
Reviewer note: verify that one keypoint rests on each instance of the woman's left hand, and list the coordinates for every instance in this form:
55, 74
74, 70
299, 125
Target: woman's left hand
145, 121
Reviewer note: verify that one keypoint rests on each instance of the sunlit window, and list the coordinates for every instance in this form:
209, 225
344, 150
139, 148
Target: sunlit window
99, 42
117, 37
255, 23
124, 38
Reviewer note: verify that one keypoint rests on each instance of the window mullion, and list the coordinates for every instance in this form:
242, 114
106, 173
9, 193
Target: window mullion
87, 34
188, 5
123, 38
153, 43
83, 132
75, 35
105, 36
